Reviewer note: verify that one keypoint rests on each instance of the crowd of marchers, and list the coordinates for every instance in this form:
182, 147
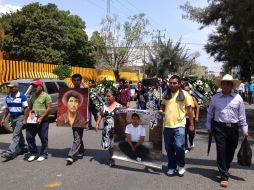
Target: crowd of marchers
225, 115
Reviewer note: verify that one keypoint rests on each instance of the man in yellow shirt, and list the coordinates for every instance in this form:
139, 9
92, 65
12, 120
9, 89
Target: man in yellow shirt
175, 104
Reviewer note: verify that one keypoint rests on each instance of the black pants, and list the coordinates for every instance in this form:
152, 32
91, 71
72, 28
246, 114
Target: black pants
187, 132
250, 98
141, 151
78, 145
226, 142
142, 105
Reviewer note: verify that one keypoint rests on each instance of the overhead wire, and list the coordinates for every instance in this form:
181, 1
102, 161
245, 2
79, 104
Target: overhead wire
130, 10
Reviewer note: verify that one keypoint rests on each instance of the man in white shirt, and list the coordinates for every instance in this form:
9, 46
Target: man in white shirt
135, 136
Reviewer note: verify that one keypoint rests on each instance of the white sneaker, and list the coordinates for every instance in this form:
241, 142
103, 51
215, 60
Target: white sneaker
192, 146
69, 161
171, 172
181, 171
41, 158
31, 158
186, 151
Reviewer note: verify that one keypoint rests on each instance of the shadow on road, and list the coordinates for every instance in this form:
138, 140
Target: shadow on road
211, 174
145, 170
208, 173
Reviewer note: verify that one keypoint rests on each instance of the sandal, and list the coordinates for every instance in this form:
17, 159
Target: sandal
224, 183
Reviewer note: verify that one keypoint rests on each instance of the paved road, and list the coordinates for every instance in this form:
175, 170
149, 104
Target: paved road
91, 172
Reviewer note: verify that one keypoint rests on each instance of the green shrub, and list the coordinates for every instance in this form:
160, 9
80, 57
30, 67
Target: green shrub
62, 71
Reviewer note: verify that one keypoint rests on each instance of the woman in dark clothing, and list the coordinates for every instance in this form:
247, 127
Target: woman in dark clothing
141, 96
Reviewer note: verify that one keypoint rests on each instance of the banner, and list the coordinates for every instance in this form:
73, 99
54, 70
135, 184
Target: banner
72, 107
149, 126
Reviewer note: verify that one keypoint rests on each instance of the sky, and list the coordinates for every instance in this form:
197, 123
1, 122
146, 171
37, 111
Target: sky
164, 15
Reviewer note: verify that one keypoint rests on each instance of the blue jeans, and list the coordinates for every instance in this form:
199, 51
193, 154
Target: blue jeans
42, 131
18, 141
137, 104
174, 139
156, 104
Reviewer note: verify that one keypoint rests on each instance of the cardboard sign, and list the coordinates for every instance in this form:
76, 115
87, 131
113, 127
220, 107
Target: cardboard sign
72, 107
150, 126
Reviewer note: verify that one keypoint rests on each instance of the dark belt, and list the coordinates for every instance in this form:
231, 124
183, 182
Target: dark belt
220, 124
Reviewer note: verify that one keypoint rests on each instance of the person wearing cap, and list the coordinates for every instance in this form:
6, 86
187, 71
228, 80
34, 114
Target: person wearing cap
40, 102
227, 110
16, 105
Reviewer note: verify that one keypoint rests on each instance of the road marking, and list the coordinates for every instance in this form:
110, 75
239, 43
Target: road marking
53, 184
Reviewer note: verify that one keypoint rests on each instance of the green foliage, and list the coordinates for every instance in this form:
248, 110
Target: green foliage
97, 94
62, 71
122, 39
46, 34
199, 70
232, 41
167, 58
204, 86
99, 49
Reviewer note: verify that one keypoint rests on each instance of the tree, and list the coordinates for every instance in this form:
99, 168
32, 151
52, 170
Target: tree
168, 58
199, 70
122, 40
99, 49
232, 42
45, 34
62, 71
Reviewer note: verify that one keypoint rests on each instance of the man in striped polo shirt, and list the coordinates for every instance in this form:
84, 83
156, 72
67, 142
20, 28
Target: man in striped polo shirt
16, 105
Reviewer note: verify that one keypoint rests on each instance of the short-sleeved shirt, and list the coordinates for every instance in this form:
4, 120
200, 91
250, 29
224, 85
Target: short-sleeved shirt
251, 87
39, 103
135, 132
16, 104
175, 111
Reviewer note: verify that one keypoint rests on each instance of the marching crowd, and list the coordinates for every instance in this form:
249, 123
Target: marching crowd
225, 115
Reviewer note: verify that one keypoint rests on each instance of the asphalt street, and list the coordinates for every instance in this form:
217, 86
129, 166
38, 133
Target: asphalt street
92, 173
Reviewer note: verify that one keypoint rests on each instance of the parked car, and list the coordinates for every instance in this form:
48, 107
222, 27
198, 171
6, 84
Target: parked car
51, 86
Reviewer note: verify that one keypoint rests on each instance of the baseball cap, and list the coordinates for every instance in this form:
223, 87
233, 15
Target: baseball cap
37, 83
13, 83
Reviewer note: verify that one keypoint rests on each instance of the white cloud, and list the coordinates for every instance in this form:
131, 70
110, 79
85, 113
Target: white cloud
7, 8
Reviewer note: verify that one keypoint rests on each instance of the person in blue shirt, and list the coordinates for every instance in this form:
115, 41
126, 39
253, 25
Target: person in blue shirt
250, 92
16, 104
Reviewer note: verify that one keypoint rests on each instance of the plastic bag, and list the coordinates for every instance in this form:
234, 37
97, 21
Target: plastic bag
245, 154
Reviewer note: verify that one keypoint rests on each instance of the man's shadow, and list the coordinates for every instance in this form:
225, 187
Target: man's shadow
211, 174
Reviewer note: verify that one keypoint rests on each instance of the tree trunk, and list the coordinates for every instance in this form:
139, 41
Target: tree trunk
117, 75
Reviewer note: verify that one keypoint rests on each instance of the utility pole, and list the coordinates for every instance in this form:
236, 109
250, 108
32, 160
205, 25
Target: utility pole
158, 35
108, 7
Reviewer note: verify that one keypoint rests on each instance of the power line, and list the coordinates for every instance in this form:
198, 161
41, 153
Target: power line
96, 5
108, 7
188, 43
158, 24
119, 2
